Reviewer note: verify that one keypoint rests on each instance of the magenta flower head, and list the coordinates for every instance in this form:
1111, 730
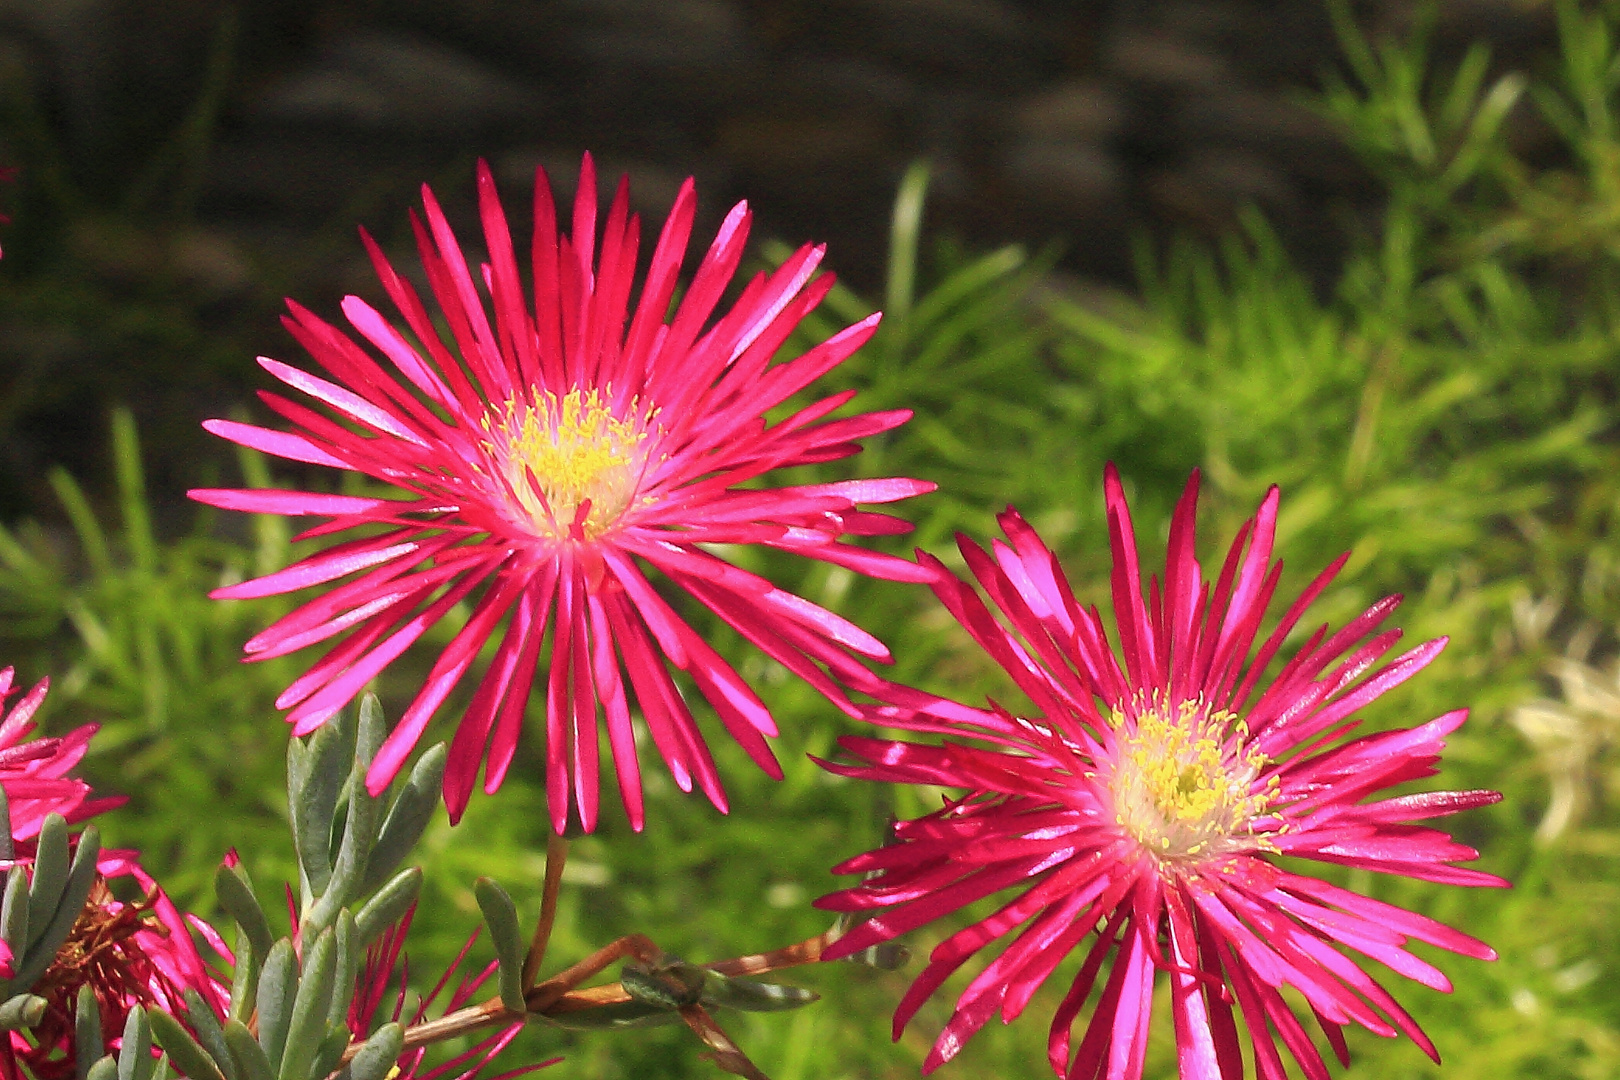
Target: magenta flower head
545, 459
1140, 812
34, 772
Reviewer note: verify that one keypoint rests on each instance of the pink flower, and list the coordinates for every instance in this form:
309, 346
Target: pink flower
33, 772
546, 458
137, 952
1146, 801
129, 953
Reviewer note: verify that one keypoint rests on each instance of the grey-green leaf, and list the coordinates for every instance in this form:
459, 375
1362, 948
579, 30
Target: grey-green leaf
308, 1025
103, 1068
209, 1033
50, 876
885, 956
325, 763
238, 900
379, 1053
330, 1054
408, 817
87, 1042
22, 1011
373, 729
501, 916
359, 828
668, 986
188, 1057
8, 850
750, 996
135, 1052
14, 913
389, 903
251, 1064
70, 903
245, 982
345, 966
277, 986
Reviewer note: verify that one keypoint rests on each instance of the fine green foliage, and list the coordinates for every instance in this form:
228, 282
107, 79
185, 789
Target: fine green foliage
1447, 409
123, 625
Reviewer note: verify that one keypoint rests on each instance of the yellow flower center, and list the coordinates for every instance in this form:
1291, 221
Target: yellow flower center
560, 453
1183, 781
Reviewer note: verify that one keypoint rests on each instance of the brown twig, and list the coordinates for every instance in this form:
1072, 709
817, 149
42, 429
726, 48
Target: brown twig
556, 856
560, 994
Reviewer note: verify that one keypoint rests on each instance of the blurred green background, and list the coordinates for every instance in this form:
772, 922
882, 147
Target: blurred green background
1445, 407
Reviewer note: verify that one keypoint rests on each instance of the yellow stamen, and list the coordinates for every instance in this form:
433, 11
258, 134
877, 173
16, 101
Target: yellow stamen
559, 453
1183, 780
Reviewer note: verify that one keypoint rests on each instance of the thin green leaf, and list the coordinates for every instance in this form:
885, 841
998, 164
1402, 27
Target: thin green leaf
238, 900
387, 905
87, 1042
190, 1058
314, 998
378, 1055
251, 1064
408, 817
500, 915
277, 988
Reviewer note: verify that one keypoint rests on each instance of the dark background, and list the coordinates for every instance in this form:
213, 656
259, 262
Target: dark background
185, 164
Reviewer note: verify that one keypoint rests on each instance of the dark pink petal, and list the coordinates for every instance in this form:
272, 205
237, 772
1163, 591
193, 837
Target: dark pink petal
1242, 616
322, 705
1195, 1039
316, 570
446, 673
293, 503
513, 663
1135, 635
282, 444
615, 706
349, 404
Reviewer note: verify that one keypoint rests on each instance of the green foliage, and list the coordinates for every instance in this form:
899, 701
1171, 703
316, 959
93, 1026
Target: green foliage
123, 622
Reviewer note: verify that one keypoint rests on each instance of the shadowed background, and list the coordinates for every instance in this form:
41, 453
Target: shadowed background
203, 160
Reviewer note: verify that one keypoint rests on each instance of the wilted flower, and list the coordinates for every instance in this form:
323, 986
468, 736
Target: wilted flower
128, 952
1143, 806
547, 457
135, 952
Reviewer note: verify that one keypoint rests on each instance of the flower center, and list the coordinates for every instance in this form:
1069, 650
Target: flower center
1183, 780
571, 462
